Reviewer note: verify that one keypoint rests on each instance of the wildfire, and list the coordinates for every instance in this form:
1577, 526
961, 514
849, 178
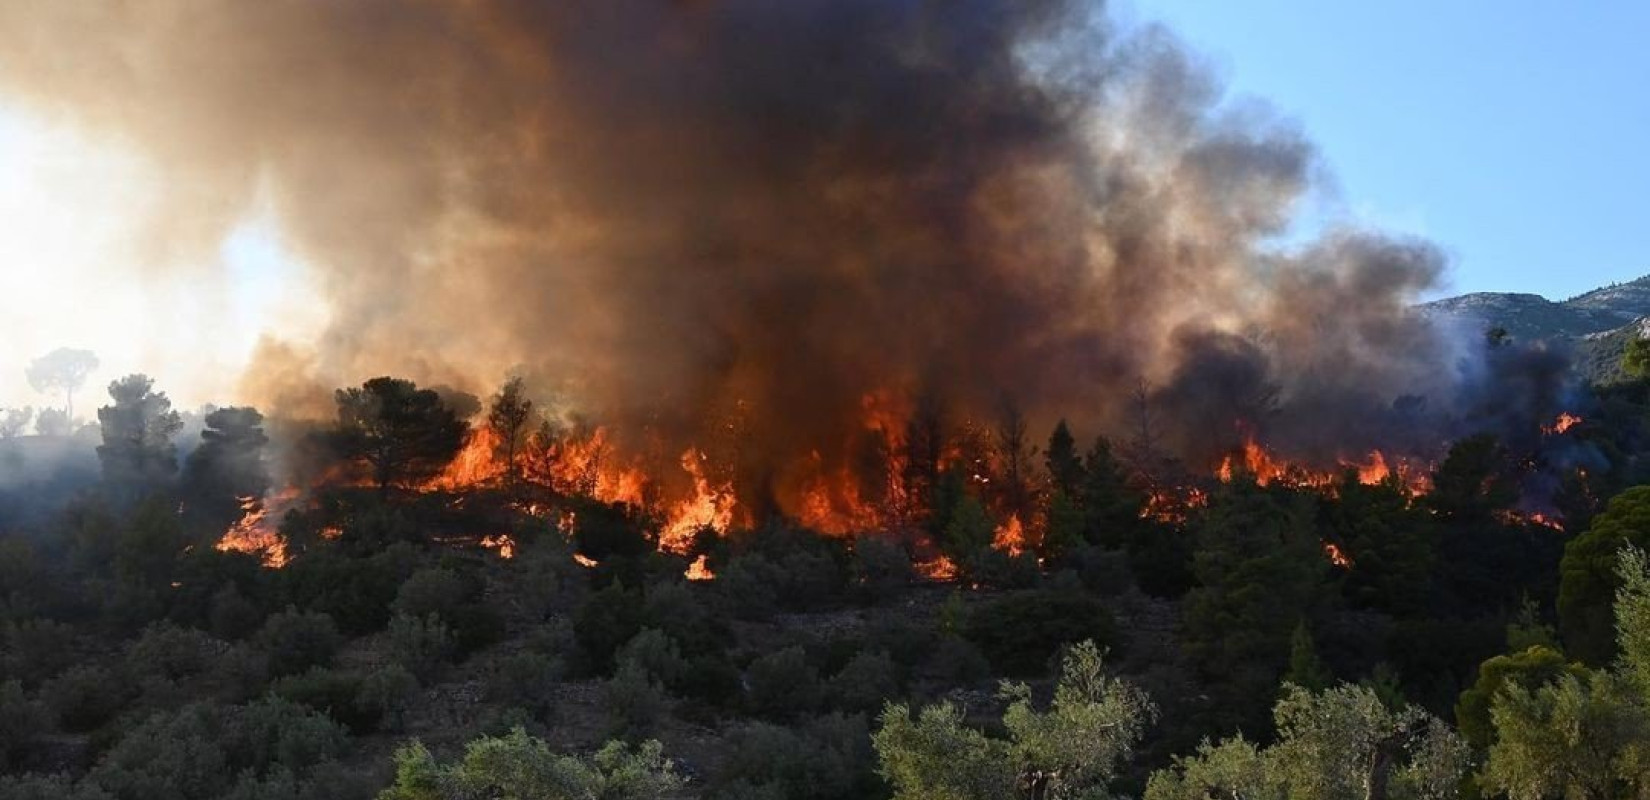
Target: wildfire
502, 543
475, 465
1541, 518
1336, 555
1010, 537
255, 531
1256, 461
699, 570
1564, 422
940, 569
709, 507
585, 561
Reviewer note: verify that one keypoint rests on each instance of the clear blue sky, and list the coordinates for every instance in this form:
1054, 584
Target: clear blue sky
1512, 133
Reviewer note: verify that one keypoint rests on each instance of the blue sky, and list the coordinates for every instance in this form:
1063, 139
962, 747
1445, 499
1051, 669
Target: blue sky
1511, 133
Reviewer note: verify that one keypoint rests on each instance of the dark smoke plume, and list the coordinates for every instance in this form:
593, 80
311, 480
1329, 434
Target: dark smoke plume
675, 212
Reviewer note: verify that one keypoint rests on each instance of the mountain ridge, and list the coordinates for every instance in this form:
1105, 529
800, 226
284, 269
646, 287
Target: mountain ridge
1597, 323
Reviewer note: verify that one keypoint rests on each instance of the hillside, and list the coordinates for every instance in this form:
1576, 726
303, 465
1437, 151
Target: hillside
1598, 324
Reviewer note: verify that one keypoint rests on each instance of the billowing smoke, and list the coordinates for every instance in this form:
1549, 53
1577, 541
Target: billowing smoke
675, 214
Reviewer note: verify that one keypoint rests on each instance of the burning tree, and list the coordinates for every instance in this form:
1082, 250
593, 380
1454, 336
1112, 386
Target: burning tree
507, 418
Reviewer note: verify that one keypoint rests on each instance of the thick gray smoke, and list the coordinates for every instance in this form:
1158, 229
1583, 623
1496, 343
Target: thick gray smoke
678, 212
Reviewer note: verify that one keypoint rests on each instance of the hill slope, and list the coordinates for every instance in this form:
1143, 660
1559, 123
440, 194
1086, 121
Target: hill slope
1598, 324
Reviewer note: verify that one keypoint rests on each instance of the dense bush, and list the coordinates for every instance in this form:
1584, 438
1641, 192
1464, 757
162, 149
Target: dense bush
1019, 633
294, 641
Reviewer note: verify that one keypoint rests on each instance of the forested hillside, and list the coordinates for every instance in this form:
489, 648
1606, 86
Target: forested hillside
444, 605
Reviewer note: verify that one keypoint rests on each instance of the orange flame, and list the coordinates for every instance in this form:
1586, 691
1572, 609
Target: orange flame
1336, 556
1256, 461
502, 543
256, 531
699, 570
1010, 537
940, 568
1563, 423
709, 507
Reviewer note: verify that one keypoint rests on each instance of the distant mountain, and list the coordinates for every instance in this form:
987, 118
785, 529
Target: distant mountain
1598, 324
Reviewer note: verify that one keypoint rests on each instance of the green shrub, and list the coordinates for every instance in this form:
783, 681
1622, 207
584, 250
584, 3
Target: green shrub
83, 698
865, 684
295, 640
783, 685
421, 646
1019, 633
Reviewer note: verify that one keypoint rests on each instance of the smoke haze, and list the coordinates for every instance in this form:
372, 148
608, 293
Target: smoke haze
668, 214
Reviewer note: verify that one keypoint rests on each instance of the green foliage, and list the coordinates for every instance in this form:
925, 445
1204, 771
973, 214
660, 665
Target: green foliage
783, 685
1340, 743
1306, 670
1065, 528
137, 451
36, 649
607, 620
524, 680
1474, 482
827, 758
1389, 541
348, 697
634, 700
294, 641
1260, 569
968, 532
880, 571
1075, 746
22, 722
355, 592
937, 757
422, 646
1070, 750
1633, 616
1529, 669
1020, 632
1635, 359
1581, 735
1578, 737
520, 766
384, 695
657, 656
60, 786
455, 600
1234, 768
202, 751
228, 465
866, 683
167, 651
1588, 579
84, 697
402, 434
1111, 507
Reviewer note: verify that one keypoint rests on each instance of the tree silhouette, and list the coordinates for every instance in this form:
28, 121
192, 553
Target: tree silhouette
13, 421
1065, 466
507, 417
229, 464
63, 369
137, 451
402, 433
